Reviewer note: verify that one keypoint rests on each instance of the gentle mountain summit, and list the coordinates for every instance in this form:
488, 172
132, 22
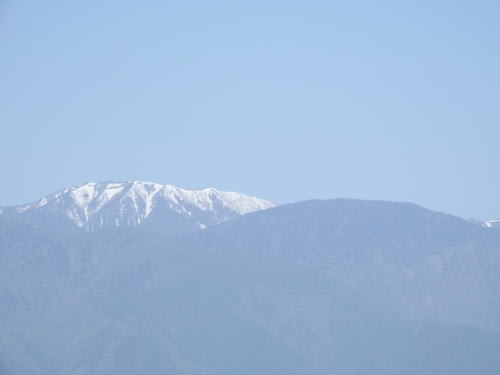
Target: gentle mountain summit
94, 206
323, 287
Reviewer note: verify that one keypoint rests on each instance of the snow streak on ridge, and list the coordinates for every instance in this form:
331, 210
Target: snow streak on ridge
132, 202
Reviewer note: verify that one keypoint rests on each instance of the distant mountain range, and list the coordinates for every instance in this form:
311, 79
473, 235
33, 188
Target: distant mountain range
128, 278
166, 208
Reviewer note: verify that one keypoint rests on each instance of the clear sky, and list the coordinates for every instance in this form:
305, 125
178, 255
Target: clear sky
286, 100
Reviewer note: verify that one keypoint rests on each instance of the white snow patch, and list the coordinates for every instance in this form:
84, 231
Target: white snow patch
134, 201
491, 223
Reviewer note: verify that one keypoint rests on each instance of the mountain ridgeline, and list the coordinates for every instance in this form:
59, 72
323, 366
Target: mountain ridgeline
163, 208
142, 278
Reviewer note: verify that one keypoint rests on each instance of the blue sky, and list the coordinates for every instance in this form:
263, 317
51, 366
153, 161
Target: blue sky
287, 100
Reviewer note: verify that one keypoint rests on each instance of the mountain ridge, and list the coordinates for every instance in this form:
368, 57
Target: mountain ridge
317, 287
93, 206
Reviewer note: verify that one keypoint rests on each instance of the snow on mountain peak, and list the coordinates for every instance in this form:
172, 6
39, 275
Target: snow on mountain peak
492, 223
93, 205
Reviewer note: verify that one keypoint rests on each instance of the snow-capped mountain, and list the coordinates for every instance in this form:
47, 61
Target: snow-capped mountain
492, 223
95, 206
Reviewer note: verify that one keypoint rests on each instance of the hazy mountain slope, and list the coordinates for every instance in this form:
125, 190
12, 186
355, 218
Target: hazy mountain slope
43, 279
217, 312
162, 208
33, 270
322, 287
424, 263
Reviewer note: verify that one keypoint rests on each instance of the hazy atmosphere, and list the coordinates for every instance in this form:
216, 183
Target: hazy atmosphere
391, 100
247, 188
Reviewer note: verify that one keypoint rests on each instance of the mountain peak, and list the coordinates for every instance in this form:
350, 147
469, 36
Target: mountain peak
96, 205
